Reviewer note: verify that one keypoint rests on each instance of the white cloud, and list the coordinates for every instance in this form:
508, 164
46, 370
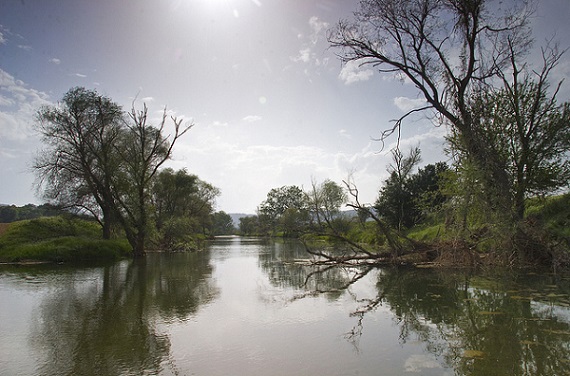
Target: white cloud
252, 118
18, 105
318, 27
55, 61
306, 53
303, 56
25, 47
407, 104
80, 75
352, 72
2, 38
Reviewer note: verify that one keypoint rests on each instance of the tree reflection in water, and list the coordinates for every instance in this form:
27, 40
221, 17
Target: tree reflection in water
480, 324
474, 323
104, 321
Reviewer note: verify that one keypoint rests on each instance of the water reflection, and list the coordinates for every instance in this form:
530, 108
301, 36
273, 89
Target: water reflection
251, 306
478, 324
106, 324
484, 325
473, 323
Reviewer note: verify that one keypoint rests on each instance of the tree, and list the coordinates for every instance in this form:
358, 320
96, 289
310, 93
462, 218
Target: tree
529, 130
143, 150
449, 50
395, 201
223, 224
101, 161
80, 159
172, 197
172, 194
324, 201
406, 203
249, 225
278, 201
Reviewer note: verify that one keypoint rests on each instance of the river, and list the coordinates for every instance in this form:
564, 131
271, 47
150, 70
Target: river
248, 306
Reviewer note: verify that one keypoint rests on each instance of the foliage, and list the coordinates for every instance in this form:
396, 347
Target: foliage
278, 202
509, 136
222, 224
104, 162
248, 225
80, 159
13, 213
182, 206
58, 239
407, 199
529, 132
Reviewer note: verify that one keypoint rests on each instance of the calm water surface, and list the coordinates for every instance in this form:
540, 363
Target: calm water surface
248, 307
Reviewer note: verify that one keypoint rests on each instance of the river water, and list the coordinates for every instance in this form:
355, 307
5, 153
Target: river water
250, 307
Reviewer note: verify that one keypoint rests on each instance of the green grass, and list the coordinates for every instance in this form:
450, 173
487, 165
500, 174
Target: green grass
553, 212
58, 239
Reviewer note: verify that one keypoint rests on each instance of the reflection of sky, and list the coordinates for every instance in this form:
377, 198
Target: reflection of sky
272, 104
561, 313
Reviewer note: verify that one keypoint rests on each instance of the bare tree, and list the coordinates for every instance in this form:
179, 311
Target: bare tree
143, 150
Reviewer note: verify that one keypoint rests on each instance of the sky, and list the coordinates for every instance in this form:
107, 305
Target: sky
271, 103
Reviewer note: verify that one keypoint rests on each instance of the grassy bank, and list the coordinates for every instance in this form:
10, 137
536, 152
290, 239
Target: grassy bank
58, 239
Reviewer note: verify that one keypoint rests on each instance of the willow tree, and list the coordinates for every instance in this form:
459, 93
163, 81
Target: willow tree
76, 165
449, 50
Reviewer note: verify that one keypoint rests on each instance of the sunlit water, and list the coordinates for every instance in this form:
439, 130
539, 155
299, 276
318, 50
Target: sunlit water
249, 307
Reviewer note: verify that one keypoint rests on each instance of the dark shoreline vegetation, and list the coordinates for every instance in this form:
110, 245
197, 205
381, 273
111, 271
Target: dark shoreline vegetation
66, 238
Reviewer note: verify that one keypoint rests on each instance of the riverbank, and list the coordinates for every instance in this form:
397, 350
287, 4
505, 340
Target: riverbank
57, 240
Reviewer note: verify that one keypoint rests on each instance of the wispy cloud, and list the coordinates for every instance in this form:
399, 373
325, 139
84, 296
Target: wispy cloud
307, 54
25, 47
407, 104
252, 118
80, 75
18, 105
353, 72
55, 61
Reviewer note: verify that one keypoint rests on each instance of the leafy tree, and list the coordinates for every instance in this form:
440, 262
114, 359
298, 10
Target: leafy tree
395, 200
528, 131
449, 50
8, 213
325, 200
249, 225
278, 201
77, 165
222, 224
406, 204
294, 221
172, 194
